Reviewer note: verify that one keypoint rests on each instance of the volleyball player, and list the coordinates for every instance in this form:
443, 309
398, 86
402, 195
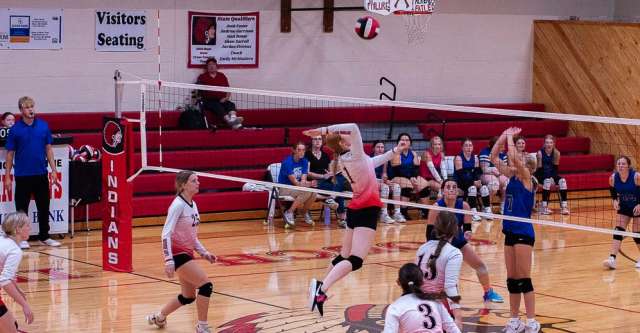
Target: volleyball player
491, 177
467, 174
548, 162
415, 311
450, 199
16, 227
624, 183
387, 188
519, 236
179, 240
405, 170
363, 210
431, 168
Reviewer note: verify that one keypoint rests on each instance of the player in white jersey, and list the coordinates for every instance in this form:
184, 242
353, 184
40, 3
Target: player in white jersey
416, 311
440, 263
179, 240
16, 227
364, 209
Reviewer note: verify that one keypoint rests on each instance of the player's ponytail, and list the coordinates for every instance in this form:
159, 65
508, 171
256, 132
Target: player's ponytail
333, 142
446, 227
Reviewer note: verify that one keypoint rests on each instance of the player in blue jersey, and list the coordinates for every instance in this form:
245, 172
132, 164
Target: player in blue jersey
519, 236
467, 173
625, 193
547, 173
405, 167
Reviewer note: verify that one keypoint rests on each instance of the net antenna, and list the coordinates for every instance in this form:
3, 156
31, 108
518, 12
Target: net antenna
416, 18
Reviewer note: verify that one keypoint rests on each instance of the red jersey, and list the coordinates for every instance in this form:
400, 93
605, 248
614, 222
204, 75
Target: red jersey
219, 80
424, 169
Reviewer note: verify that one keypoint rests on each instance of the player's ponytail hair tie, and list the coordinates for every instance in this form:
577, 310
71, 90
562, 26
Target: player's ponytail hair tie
410, 283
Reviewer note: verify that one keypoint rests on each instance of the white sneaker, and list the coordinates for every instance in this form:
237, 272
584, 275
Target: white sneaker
308, 219
342, 223
152, 319
24, 245
289, 220
514, 326
564, 210
385, 218
546, 210
51, 242
476, 218
488, 211
331, 203
610, 263
532, 327
206, 329
398, 217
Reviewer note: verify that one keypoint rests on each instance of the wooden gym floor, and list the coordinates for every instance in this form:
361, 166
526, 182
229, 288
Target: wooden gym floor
261, 279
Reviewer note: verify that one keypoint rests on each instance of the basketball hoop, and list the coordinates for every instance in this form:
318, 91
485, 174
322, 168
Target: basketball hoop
417, 19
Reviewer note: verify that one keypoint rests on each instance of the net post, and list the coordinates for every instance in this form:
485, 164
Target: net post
118, 88
143, 125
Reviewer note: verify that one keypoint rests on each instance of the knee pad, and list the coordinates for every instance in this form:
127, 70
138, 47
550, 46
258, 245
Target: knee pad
482, 270
184, 301
406, 192
396, 190
548, 182
484, 191
618, 237
384, 191
356, 263
562, 183
337, 260
472, 191
513, 286
494, 185
525, 285
425, 193
206, 289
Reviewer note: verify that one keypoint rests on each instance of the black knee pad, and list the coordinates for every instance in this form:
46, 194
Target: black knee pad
206, 289
525, 285
356, 263
618, 237
425, 193
337, 260
406, 192
513, 286
184, 301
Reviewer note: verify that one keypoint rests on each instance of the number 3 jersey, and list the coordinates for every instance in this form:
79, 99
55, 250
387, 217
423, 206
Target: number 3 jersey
180, 231
410, 314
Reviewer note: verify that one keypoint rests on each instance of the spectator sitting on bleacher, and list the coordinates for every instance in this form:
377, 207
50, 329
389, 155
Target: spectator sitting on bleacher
8, 120
218, 102
293, 171
324, 179
387, 188
405, 168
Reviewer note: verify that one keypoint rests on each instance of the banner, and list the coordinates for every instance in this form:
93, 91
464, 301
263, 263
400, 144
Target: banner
59, 192
117, 194
231, 38
386, 7
30, 28
122, 30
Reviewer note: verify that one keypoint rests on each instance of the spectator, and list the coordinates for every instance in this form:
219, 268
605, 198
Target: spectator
8, 120
405, 168
491, 176
218, 102
30, 143
387, 188
294, 171
325, 180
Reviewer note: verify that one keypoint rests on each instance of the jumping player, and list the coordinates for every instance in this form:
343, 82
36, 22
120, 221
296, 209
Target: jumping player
179, 240
548, 162
363, 210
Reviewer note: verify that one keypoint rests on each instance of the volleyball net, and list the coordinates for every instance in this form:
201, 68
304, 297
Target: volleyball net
589, 145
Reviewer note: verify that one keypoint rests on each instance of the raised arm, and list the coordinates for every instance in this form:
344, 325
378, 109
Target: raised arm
495, 156
349, 129
387, 156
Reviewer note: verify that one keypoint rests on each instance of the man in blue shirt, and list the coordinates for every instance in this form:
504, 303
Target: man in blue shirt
29, 142
293, 171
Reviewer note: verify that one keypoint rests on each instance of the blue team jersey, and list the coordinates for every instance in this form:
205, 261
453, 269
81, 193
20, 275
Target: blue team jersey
406, 168
548, 170
291, 167
459, 240
485, 156
468, 169
627, 191
518, 202
29, 143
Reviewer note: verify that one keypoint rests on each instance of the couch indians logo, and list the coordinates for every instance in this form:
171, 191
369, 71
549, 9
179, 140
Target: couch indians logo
370, 318
112, 137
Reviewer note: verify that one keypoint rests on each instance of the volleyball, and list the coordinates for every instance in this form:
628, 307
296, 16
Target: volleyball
86, 151
97, 155
367, 27
72, 151
80, 158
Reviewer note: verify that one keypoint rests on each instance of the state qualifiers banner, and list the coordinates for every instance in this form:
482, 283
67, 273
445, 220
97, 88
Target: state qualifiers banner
231, 38
30, 29
121, 30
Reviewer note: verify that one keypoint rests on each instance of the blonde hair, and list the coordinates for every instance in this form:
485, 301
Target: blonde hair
531, 162
25, 101
13, 221
182, 178
333, 142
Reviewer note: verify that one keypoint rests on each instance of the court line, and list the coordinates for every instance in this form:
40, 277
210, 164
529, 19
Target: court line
168, 281
538, 293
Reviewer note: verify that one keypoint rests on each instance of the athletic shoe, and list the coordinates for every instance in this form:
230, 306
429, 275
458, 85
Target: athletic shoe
398, 217
610, 263
532, 327
385, 218
514, 326
476, 218
50, 242
153, 319
206, 329
316, 296
24, 245
331, 203
492, 296
564, 210
488, 211
342, 223
546, 210
289, 220
308, 219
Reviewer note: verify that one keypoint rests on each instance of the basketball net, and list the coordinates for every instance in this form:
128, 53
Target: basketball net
416, 19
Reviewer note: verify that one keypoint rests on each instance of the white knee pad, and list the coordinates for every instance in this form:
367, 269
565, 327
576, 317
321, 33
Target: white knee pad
494, 186
396, 190
484, 191
384, 191
472, 191
562, 183
547, 184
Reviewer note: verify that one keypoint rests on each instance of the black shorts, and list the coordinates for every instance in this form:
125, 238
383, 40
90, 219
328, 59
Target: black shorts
365, 217
511, 239
3, 309
628, 212
540, 177
181, 259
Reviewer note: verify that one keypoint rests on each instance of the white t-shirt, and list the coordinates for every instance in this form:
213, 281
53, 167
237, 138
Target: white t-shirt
10, 257
410, 314
447, 268
180, 231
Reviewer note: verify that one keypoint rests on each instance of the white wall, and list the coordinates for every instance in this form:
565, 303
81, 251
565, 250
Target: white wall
627, 10
475, 51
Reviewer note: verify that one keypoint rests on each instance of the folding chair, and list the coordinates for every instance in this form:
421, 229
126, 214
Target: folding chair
275, 199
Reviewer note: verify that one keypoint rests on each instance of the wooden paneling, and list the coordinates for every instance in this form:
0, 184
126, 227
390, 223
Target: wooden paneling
591, 68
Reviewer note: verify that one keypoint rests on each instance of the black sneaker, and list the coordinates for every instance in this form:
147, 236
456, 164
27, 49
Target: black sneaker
316, 296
